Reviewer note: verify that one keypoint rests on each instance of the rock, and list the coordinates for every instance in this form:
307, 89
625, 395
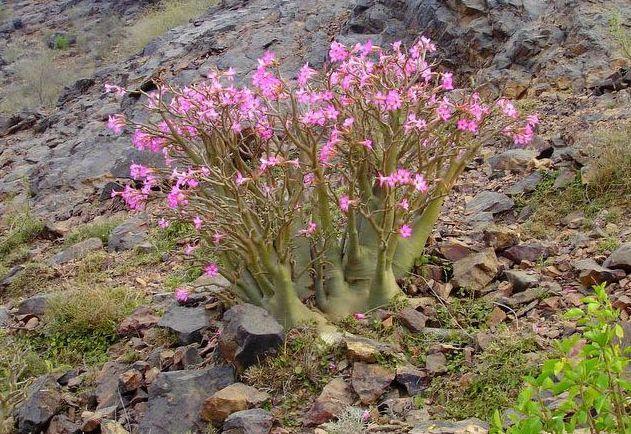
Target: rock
10, 276
414, 380
436, 363
106, 392
250, 334
396, 408
186, 322
76, 251
255, 421
521, 280
620, 258
489, 201
4, 317
140, 319
175, 399
454, 249
92, 419
230, 399
43, 401
593, 274
35, 305
60, 424
412, 319
362, 349
532, 251
475, 271
129, 381
335, 397
467, 426
128, 235
499, 237
112, 427
186, 357
370, 381
524, 297
496, 317
514, 160
525, 185
566, 177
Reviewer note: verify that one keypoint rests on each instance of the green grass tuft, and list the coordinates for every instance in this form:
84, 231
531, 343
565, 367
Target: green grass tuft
97, 229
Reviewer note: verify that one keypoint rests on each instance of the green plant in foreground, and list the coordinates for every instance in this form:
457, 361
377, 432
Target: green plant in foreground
588, 385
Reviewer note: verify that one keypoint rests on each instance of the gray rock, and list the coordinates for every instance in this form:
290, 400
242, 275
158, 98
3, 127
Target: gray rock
525, 185
476, 271
370, 381
106, 392
43, 401
128, 235
414, 380
532, 251
76, 251
467, 426
590, 273
513, 159
187, 322
412, 319
175, 399
60, 424
566, 177
524, 297
4, 316
489, 201
35, 305
254, 421
250, 333
436, 363
620, 258
10, 276
334, 398
521, 280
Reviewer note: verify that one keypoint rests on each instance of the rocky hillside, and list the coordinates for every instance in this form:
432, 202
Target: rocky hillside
528, 230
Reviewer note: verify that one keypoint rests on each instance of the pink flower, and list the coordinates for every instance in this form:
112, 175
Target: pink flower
305, 74
116, 123
267, 59
348, 122
367, 143
359, 316
344, 203
404, 204
197, 222
444, 110
269, 162
507, 108
189, 249
338, 52
405, 231
218, 237
413, 123
181, 295
365, 416
211, 269
138, 171
308, 178
109, 88
239, 179
163, 224
309, 230
420, 184
447, 81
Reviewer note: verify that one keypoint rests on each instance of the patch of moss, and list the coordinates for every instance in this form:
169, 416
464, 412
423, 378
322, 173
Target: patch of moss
97, 229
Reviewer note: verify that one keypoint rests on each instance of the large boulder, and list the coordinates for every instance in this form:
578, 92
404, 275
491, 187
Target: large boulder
620, 258
186, 322
250, 334
476, 271
44, 400
175, 399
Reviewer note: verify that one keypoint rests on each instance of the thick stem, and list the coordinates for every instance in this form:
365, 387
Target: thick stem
384, 285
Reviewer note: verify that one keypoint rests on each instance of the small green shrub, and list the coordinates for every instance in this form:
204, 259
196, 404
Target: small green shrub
61, 42
97, 229
587, 379
20, 227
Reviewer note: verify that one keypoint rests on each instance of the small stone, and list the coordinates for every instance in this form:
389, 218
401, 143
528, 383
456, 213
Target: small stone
129, 381
186, 357
140, 319
43, 401
525, 185
370, 381
230, 399
412, 319
620, 258
77, 251
467, 426
499, 237
364, 350
593, 274
254, 421
187, 323
496, 317
335, 397
112, 427
475, 271
34, 306
128, 235
454, 249
60, 424
514, 160
414, 380
250, 334
521, 280
489, 201
436, 363
532, 251
524, 297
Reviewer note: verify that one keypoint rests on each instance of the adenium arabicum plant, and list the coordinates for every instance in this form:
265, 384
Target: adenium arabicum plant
324, 187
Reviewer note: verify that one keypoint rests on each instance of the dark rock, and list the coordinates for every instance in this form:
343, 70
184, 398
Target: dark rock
35, 305
412, 319
454, 249
187, 322
175, 399
107, 393
76, 251
370, 381
230, 399
489, 201
250, 333
475, 271
335, 397
4, 317
128, 235
186, 357
521, 280
524, 297
525, 185
436, 363
255, 421
414, 380
593, 274
44, 400
10, 276
566, 177
499, 237
140, 320
532, 251
620, 258
60, 424
467, 426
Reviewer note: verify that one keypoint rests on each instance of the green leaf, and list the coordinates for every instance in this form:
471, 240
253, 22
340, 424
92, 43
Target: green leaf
574, 314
